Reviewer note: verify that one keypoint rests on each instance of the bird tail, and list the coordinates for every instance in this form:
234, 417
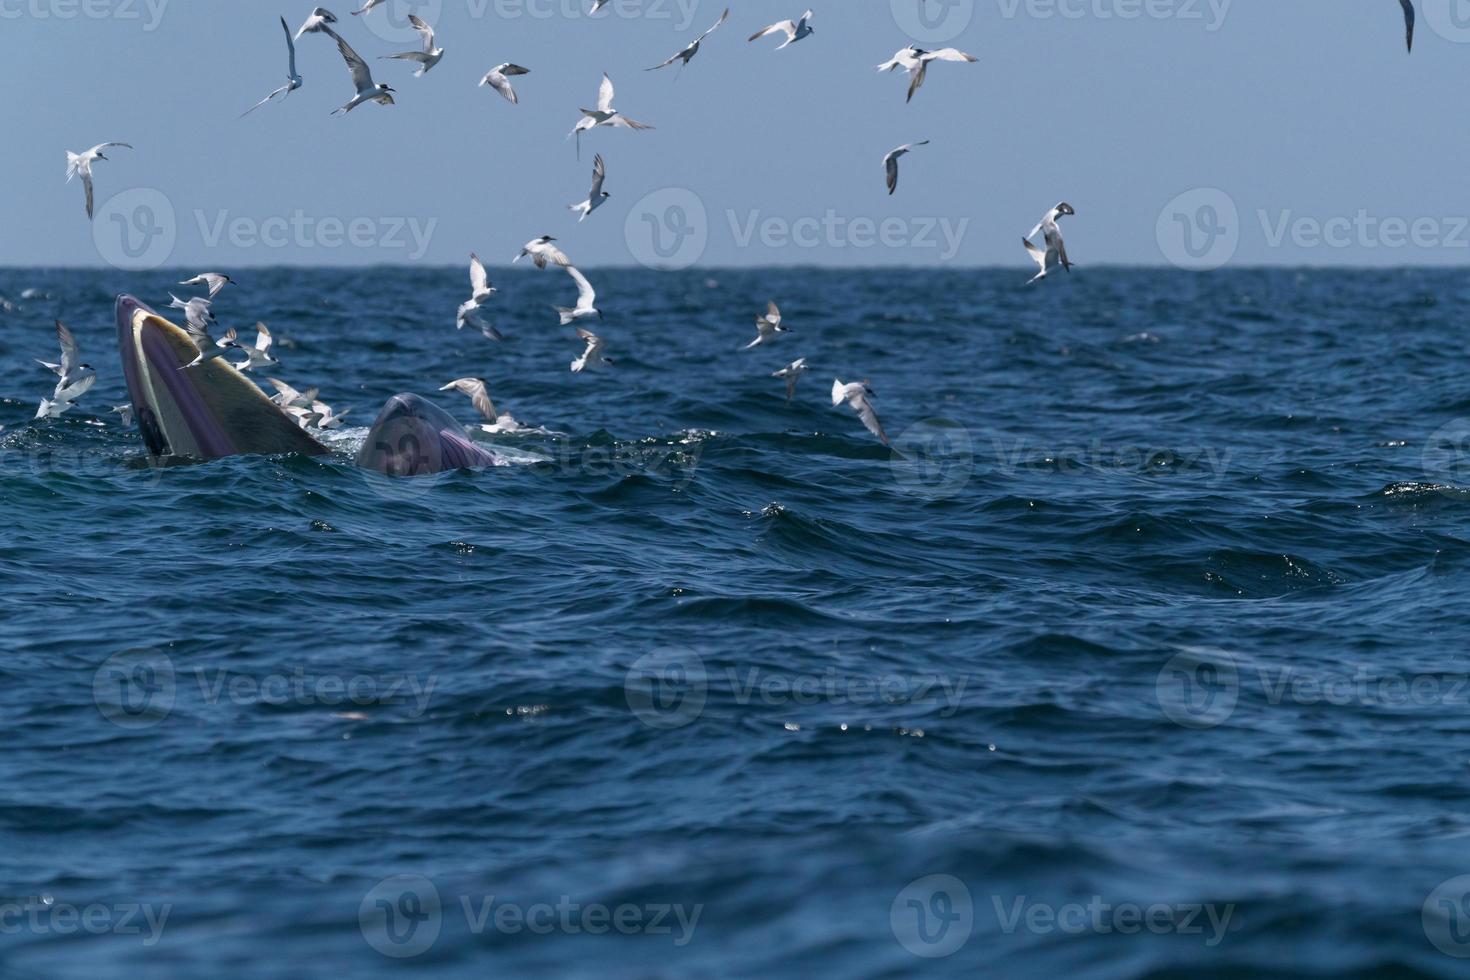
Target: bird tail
566, 314
73, 164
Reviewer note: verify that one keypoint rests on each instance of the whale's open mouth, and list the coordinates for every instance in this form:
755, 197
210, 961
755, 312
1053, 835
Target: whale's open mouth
212, 410
207, 411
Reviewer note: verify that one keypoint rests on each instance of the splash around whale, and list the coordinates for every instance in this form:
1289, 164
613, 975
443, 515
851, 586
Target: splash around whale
211, 410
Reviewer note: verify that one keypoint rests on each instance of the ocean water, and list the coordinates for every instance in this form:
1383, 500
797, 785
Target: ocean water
1146, 658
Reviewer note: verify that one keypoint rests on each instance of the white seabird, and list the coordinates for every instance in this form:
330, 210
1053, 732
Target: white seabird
916, 61
480, 292
890, 162
213, 281
858, 396
209, 347
794, 30
597, 196
320, 18
541, 252
592, 357
197, 311
500, 423
427, 58
603, 115
586, 300
767, 325
692, 49
498, 78
293, 80
362, 76
259, 355
73, 378
791, 374
80, 165
288, 397
1055, 253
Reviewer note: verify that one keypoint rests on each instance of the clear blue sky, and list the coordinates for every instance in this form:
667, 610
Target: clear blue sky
1303, 111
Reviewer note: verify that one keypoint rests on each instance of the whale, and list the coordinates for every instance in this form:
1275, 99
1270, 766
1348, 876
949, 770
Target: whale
414, 437
211, 411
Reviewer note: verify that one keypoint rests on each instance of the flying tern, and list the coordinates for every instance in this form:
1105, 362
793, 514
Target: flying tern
362, 77
890, 162
597, 196
293, 80
692, 49
80, 165
791, 374
603, 115
794, 30
427, 58
767, 325
499, 77
586, 300
859, 398
593, 356
480, 292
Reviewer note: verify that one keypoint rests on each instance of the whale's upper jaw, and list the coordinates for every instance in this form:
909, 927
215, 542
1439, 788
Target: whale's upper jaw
208, 411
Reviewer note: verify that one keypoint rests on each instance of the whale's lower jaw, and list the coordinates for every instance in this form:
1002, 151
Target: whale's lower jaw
207, 411
414, 437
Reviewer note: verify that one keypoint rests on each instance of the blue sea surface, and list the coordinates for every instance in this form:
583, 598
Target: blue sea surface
1144, 656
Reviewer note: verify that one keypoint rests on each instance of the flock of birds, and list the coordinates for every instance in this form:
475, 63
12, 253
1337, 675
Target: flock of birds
75, 378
